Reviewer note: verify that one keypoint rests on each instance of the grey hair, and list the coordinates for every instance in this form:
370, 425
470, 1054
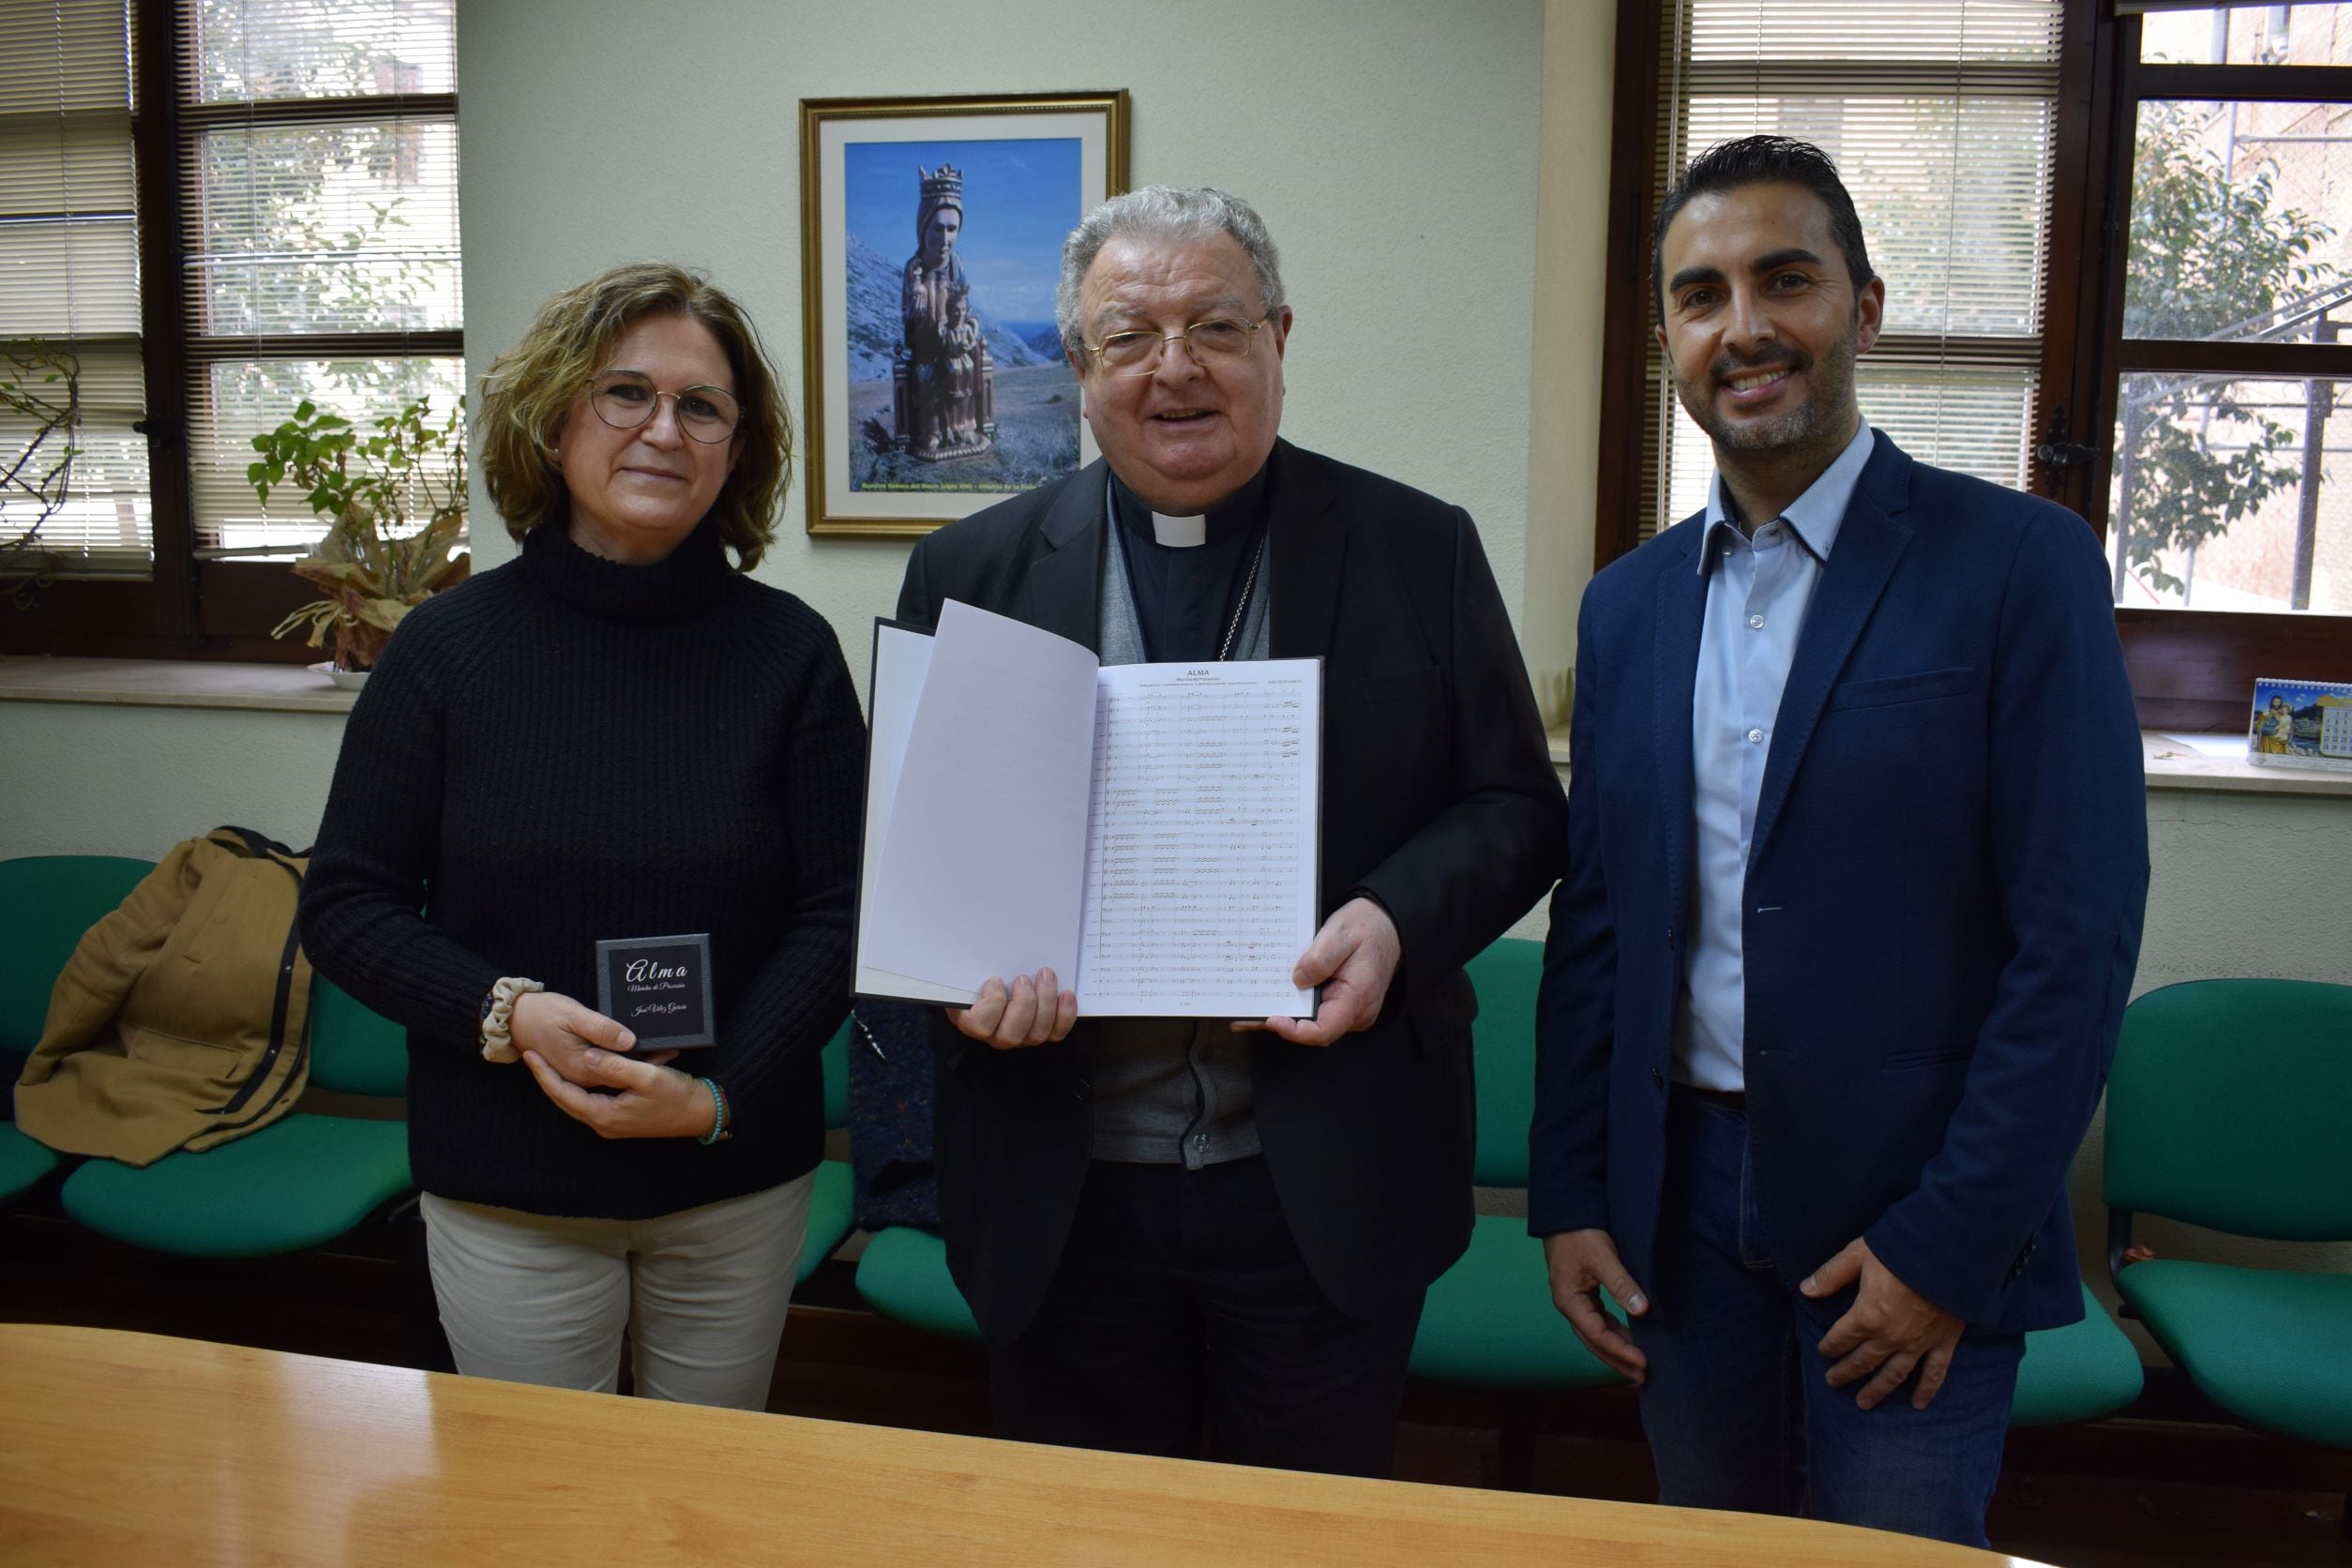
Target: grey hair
1170, 212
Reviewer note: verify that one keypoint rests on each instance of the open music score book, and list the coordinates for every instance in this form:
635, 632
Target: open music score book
1150, 831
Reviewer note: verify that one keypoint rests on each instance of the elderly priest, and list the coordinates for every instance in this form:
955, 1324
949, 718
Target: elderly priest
1184, 1236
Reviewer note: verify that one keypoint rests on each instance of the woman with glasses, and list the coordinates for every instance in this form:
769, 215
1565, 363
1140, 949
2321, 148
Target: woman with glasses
618, 734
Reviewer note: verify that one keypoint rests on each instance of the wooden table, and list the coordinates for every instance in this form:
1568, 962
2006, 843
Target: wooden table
125, 1449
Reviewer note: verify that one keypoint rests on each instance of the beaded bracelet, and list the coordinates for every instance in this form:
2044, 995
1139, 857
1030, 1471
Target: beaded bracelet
720, 1117
498, 1012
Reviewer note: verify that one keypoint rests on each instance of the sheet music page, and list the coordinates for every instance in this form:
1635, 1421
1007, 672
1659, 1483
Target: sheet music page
983, 855
902, 658
1202, 848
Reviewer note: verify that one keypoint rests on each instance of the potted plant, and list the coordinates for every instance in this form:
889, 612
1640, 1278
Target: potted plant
394, 497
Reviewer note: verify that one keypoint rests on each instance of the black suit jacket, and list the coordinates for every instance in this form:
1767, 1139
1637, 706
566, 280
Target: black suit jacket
1438, 800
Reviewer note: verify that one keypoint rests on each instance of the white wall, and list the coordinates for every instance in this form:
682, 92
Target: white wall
1572, 203
1390, 145
88, 778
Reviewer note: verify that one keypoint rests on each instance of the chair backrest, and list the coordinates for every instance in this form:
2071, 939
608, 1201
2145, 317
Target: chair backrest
2230, 1106
836, 1065
1507, 977
46, 902
353, 1050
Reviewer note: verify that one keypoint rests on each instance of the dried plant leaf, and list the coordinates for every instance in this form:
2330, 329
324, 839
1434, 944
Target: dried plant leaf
373, 568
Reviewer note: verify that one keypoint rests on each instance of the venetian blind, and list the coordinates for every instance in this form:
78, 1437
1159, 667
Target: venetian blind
1941, 117
69, 282
319, 163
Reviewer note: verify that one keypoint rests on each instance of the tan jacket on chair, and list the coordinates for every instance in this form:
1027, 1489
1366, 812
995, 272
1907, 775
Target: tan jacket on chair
182, 1019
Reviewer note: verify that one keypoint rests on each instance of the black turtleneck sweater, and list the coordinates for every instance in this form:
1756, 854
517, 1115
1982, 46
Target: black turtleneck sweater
567, 750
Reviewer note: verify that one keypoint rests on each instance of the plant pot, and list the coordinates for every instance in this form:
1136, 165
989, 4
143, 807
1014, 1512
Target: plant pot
348, 680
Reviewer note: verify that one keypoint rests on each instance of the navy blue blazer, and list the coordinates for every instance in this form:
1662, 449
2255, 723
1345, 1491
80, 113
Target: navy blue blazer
1942, 909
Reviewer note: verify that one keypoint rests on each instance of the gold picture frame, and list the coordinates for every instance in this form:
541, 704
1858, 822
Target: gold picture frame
931, 389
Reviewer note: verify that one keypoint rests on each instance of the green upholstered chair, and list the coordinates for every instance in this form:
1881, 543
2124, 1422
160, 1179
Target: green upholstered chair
296, 1184
833, 1201
46, 902
2227, 1109
2085, 1371
1489, 1320
903, 1273
23, 1161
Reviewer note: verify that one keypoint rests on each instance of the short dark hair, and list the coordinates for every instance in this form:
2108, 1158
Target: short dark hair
1762, 160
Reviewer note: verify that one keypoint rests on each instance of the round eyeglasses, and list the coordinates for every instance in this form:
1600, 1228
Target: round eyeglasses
1211, 343
625, 399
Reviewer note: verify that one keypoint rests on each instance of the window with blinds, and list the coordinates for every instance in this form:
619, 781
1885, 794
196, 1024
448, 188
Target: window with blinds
319, 169
73, 472
1941, 117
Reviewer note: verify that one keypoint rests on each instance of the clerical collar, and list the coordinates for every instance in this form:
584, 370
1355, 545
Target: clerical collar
1242, 509
1180, 533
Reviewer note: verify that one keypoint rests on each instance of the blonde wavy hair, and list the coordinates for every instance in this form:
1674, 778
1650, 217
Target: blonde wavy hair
530, 391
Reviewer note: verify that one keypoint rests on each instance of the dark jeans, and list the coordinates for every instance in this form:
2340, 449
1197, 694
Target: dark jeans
1736, 1408
1181, 1308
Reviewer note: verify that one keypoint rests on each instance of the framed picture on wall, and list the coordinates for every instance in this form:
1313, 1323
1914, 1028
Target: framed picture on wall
931, 234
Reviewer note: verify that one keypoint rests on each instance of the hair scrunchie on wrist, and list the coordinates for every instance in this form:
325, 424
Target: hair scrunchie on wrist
498, 1012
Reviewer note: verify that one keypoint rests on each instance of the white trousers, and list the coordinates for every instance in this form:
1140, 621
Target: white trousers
703, 1294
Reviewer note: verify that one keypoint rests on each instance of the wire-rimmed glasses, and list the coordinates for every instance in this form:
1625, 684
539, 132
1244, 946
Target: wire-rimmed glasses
1217, 342
626, 400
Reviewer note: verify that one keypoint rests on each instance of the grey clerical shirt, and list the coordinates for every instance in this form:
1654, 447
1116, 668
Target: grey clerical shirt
1172, 1090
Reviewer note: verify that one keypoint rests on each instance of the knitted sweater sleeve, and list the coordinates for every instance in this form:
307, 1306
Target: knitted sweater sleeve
800, 994
362, 902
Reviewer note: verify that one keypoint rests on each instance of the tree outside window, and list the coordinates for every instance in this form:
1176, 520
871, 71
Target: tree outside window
2217, 259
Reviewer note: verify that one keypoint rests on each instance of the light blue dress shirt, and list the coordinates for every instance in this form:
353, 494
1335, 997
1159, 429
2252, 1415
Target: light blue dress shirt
1757, 592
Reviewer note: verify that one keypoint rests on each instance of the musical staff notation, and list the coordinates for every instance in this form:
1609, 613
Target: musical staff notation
1200, 838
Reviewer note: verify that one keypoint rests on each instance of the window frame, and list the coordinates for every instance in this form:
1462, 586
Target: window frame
2190, 668
194, 608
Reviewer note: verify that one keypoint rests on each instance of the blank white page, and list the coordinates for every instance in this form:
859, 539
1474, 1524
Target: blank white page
902, 658
983, 857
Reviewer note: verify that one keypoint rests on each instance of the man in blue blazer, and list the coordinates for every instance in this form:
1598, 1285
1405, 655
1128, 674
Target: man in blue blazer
1857, 861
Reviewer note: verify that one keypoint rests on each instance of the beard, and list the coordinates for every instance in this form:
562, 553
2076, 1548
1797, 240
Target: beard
1829, 388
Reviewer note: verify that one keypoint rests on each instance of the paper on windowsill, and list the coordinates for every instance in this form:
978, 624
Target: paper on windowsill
2211, 745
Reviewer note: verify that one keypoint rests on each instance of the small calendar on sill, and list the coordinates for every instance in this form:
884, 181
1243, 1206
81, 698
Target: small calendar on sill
2302, 724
